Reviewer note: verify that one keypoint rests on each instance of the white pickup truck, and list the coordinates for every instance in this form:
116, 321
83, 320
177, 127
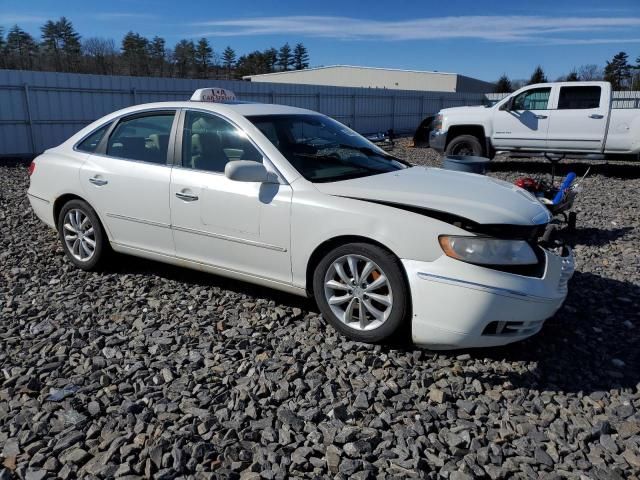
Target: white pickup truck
571, 118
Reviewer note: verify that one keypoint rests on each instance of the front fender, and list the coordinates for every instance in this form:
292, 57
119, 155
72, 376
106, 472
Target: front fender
317, 218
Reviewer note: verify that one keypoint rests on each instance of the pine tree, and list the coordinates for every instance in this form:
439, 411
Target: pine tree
228, 58
184, 57
157, 55
51, 43
285, 59
537, 76
300, 57
503, 85
618, 71
61, 44
2, 47
21, 49
135, 54
271, 55
203, 56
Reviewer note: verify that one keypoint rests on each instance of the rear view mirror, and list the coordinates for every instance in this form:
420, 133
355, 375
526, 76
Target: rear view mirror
248, 171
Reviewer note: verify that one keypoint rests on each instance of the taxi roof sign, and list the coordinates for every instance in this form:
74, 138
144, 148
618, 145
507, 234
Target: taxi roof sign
215, 94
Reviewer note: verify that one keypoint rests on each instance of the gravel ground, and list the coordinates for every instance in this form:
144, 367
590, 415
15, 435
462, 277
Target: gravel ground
149, 370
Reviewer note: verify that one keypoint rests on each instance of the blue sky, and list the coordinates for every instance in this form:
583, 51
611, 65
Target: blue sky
477, 38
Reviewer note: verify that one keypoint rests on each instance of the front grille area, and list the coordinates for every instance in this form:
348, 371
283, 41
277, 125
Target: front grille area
512, 328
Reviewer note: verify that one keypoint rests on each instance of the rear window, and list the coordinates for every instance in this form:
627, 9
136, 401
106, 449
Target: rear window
578, 98
90, 143
142, 138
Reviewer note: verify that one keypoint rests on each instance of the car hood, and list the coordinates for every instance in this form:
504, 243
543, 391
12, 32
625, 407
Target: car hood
478, 198
461, 109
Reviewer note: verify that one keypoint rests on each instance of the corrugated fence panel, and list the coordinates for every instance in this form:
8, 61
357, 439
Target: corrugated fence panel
41, 109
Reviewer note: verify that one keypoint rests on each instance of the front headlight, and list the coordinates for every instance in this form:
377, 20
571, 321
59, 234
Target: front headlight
437, 122
488, 251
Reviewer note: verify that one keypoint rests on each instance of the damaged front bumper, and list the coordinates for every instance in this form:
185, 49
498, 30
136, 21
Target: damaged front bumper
461, 305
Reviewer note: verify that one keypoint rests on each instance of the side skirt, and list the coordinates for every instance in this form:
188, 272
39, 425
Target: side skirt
208, 268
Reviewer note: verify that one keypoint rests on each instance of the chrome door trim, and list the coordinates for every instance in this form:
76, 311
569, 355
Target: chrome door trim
230, 238
138, 220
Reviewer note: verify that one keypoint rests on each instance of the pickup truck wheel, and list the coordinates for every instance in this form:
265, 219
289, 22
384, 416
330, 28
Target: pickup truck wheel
361, 291
464, 145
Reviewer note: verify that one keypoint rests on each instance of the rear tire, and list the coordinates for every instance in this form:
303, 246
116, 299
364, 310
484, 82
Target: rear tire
361, 291
464, 145
83, 238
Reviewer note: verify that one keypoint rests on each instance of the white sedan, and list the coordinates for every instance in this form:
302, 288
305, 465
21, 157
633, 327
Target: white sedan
291, 199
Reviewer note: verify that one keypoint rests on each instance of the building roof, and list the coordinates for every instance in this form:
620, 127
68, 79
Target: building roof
350, 66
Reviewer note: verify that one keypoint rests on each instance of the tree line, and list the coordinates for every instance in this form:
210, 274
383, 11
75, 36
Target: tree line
618, 71
60, 48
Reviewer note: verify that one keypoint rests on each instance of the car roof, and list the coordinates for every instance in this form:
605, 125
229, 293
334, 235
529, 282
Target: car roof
241, 108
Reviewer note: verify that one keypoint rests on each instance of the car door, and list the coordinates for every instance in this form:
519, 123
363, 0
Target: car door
523, 122
579, 119
242, 227
127, 180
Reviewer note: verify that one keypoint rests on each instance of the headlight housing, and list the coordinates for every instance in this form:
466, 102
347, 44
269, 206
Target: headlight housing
488, 250
437, 122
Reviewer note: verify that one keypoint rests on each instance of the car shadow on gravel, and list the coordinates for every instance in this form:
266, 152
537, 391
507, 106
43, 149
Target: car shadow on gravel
590, 345
617, 170
596, 237
140, 266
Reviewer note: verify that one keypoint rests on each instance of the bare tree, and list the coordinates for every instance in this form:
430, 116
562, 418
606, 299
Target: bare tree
590, 72
100, 55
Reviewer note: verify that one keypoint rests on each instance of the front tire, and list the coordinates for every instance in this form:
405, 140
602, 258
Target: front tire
83, 239
361, 291
464, 145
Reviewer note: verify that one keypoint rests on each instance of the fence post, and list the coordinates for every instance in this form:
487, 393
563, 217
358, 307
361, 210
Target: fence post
272, 95
29, 118
318, 101
353, 111
134, 96
393, 113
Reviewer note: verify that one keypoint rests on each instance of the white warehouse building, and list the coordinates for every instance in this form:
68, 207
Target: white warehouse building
372, 77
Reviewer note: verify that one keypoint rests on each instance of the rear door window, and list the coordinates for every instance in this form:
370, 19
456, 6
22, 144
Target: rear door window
90, 143
579, 98
142, 138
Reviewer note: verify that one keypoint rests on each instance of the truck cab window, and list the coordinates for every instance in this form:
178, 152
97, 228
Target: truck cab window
579, 98
534, 99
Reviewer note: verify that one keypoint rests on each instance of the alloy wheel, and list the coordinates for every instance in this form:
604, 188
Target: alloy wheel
79, 235
358, 292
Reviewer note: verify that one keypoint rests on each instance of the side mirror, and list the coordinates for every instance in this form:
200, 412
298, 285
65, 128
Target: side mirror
508, 105
248, 171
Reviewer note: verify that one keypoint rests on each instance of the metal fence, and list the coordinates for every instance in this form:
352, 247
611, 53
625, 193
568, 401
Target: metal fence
39, 110
621, 99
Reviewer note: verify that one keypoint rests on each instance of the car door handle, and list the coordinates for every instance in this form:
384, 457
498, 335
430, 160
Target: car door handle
541, 117
597, 116
187, 197
98, 181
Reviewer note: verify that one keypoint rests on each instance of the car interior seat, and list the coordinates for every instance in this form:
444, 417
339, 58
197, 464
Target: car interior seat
207, 152
159, 144
129, 147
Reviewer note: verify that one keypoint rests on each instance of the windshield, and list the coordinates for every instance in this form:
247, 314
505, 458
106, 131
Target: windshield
324, 150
